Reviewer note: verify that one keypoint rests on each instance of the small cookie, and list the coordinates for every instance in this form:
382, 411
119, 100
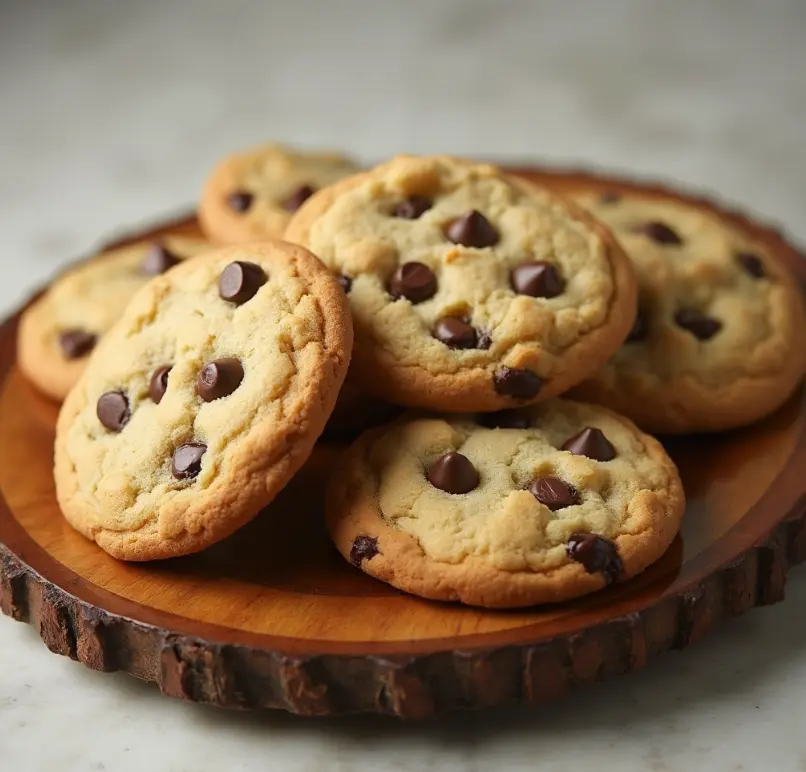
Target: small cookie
250, 196
202, 401
720, 338
469, 290
58, 332
534, 505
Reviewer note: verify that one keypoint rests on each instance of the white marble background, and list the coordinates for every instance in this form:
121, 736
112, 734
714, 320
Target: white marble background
111, 112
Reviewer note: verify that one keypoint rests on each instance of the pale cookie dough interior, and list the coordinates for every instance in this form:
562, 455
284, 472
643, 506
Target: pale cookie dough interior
292, 340
742, 354
251, 195
498, 544
89, 299
500, 520
353, 228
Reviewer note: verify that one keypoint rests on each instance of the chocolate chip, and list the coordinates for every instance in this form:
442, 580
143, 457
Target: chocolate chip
455, 333
113, 410
345, 281
219, 378
505, 419
364, 548
240, 201
592, 443
453, 473
639, 329
552, 492
538, 279
662, 233
597, 555
76, 343
414, 281
752, 264
158, 260
413, 207
187, 460
472, 230
485, 340
240, 281
522, 384
609, 197
298, 198
158, 384
699, 325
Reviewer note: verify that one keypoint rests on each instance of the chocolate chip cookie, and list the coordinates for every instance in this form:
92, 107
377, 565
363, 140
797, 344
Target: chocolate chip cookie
532, 505
469, 290
250, 196
202, 401
719, 340
58, 332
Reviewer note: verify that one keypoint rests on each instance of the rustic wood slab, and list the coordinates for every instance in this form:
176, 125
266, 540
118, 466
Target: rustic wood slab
274, 617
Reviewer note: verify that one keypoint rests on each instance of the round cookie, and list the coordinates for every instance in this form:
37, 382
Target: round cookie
720, 339
533, 505
469, 290
202, 401
59, 330
251, 195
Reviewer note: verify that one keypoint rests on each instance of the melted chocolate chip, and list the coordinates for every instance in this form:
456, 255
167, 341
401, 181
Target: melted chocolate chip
219, 378
298, 198
76, 343
538, 279
639, 329
414, 281
521, 384
453, 473
752, 264
505, 419
113, 410
472, 230
597, 555
364, 548
187, 460
552, 492
609, 197
158, 260
158, 384
240, 281
661, 233
413, 207
346, 282
592, 443
455, 333
699, 325
240, 201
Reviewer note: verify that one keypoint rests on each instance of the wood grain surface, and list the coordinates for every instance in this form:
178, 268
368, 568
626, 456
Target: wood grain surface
274, 617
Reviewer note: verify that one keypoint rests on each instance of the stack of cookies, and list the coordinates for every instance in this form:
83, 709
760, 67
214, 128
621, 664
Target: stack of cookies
434, 309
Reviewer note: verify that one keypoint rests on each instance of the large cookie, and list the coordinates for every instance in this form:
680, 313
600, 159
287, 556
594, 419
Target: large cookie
469, 290
510, 509
58, 332
720, 339
202, 401
251, 195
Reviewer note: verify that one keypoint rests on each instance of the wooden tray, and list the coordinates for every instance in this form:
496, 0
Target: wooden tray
273, 617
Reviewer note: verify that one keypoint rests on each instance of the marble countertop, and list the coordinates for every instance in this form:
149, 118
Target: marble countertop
112, 114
